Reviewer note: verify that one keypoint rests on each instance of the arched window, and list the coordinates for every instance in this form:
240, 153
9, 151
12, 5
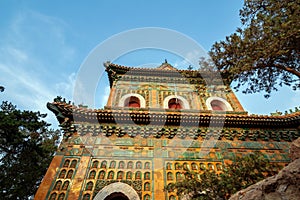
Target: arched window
218, 104
132, 102
175, 104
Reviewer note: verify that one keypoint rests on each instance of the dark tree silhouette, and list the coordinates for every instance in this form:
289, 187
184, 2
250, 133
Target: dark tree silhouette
265, 52
26, 150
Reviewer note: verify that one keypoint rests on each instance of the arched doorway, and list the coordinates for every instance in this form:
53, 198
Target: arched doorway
117, 196
117, 191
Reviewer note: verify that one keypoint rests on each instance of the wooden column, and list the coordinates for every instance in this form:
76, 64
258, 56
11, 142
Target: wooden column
111, 96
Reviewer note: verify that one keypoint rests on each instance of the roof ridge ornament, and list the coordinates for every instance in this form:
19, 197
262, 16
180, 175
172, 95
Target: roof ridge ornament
106, 64
166, 66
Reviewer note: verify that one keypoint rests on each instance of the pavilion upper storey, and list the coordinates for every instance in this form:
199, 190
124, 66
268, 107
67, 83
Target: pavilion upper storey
166, 87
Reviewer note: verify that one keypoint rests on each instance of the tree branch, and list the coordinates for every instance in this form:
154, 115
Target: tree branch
288, 69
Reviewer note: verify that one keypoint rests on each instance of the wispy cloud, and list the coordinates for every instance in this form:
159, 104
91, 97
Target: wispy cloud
65, 88
33, 60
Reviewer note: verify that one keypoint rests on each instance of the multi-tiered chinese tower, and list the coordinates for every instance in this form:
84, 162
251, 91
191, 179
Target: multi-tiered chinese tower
157, 122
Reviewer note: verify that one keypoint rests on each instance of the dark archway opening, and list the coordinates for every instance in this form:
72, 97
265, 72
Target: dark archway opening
117, 196
175, 104
132, 102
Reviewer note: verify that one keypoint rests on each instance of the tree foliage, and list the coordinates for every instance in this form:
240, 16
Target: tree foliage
264, 53
209, 185
26, 150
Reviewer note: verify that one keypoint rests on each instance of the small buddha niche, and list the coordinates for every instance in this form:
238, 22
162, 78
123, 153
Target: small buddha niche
66, 164
147, 197
73, 163
53, 196
169, 176
70, 174
175, 104
120, 175
86, 197
130, 165
89, 185
101, 175
129, 175
95, 164
62, 174
132, 102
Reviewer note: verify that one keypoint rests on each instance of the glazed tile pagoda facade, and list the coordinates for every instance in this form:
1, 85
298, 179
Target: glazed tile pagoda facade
157, 122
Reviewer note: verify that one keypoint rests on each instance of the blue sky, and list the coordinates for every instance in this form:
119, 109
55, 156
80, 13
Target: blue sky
44, 43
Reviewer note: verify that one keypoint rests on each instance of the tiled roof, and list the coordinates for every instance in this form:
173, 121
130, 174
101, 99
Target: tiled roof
166, 71
171, 117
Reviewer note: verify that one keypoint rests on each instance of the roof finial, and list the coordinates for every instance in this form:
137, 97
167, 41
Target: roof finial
166, 60
106, 64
